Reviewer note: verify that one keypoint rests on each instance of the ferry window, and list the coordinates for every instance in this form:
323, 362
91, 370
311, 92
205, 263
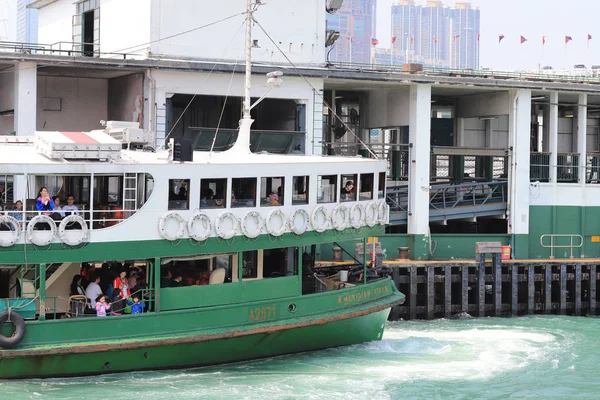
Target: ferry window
243, 192
348, 192
280, 262
327, 189
271, 191
300, 190
179, 196
366, 187
381, 191
6, 189
250, 264
212, 193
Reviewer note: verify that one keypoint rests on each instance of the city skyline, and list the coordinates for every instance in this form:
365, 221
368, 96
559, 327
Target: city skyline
533, 19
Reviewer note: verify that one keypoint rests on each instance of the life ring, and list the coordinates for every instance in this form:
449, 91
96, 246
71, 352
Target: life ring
372, 214
162, 226
41, 237
339, 223
206, 227
251, 224
384, 213
272, 227
356, 222
299, 221
76, 236
13, 235
319, 224
223, 231
20, 328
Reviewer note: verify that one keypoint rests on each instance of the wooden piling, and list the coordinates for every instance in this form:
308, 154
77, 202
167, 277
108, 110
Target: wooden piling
563, 289
480, 298
464, 286
578, 289
447, 292
548, 289
497, 284
430, 292
530, 289
412, 302
514, 290
592, 290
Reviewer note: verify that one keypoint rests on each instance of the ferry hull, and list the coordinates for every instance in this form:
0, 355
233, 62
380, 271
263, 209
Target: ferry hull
233, 346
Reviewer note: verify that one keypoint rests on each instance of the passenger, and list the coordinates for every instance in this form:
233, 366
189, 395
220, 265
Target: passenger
167, 279
57, 208
93, 290
177, 280
348, 191
71, 207
76, 288
44, 202
233, 200
119, 280
17, 213
137, 306
181, 190
102, 306
273, 200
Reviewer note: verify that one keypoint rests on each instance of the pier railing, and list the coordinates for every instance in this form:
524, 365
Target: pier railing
567, 167
592, 168
550, 241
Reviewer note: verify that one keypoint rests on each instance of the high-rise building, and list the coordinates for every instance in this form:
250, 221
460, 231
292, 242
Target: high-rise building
355, 21
434, 34
27, 22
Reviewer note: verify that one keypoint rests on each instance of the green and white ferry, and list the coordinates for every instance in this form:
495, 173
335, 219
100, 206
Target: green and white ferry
165, 211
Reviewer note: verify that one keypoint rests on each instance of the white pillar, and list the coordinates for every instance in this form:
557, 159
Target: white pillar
582, 136
419, 137
553, 135
519, 137
25, 98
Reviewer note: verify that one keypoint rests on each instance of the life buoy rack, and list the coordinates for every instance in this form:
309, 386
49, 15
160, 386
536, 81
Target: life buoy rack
299, 221
8, 239
12, 341
40, 237
314, 219
206, 225
372, 214
76, 236
384, 211
162, 226
223, 234
271, 227
357, 222
252, 230
337, 223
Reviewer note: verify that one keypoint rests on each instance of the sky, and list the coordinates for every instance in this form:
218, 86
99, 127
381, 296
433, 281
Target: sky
532, 19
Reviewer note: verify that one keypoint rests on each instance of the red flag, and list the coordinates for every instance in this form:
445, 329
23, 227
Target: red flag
568, 39
500, 37
454, 39
523, 39
543, 40
589, 37
434, 40
374, 41
393, 39
478, 36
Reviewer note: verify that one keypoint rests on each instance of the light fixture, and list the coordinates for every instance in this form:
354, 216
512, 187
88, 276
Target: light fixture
332, 36
334, 5
538, 98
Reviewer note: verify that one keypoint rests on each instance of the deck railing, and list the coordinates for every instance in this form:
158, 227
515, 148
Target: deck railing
567, 167
539, 167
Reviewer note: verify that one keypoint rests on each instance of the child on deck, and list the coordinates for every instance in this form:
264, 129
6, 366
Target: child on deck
102, 306
137, 306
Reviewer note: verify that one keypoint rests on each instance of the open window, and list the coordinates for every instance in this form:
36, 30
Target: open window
366, 187
179, 196
381, 191
213, 193
271, 191
300, 190
243, 192
348, 191
327, 189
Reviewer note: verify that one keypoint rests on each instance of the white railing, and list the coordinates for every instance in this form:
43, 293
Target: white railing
553, 246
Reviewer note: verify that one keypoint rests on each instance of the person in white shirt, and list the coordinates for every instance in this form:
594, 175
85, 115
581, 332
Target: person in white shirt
93, 290
70, 206
57, 208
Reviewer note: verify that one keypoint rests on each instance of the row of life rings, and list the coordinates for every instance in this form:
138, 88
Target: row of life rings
42, 230
172, 226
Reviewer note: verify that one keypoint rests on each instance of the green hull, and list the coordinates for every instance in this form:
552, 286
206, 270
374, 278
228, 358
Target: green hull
178, 339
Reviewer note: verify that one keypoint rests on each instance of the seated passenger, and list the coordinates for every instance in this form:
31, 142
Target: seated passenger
70, 208
57, 208
17, 213
348, 191
76, 288
44, 202
273, 200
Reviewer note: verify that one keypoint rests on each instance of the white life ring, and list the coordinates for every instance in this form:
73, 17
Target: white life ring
73, 237
339, 217
41, 237
357, 215
274, 228
199, 232
166, 233
226, 225
384, 213
251, 224
299, 221
319, 219
8, 239
372, 214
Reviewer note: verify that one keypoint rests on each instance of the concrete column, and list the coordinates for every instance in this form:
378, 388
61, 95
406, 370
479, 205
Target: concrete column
420, 138
581, 136
519, 133
553, 135
25, 98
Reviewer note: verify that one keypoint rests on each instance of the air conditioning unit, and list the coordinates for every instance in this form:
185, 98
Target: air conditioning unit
127, 132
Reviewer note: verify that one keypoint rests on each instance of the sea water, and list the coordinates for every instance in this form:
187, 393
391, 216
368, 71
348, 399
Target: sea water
465, 358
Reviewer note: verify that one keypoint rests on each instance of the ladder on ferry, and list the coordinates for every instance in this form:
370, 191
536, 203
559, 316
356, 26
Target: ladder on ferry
130, 193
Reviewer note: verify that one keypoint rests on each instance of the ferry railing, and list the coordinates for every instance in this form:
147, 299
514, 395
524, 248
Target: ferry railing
552, 245
539, 167
63, 48
592, 168
567, 169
